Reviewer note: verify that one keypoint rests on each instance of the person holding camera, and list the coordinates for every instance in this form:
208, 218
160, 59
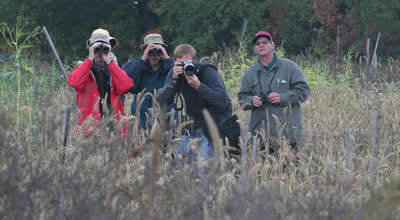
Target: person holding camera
99, 82
148, 72
273, 86
202, 88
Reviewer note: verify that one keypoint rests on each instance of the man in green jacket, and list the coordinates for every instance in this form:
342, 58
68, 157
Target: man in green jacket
274, 86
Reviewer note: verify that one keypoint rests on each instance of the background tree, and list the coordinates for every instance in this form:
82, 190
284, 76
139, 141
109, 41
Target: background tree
300, 26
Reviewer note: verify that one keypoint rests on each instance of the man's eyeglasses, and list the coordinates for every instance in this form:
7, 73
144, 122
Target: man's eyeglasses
258, 43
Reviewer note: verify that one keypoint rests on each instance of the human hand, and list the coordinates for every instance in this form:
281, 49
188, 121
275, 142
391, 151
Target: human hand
257, 101
274, 98
164, 52
110, 57
177, 70
145, 56
92, 55
193, 81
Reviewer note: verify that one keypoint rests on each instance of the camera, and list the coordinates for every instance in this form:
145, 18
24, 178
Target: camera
155, 52
264, 98
102, 49
189, 67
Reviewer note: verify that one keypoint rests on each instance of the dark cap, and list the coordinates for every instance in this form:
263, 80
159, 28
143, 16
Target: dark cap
262, 34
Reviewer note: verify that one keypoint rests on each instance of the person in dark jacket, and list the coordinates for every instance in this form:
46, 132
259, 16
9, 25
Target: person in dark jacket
99, 82
203, 90
148, 72
274, 87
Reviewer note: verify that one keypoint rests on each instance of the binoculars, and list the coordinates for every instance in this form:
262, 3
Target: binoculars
101, 49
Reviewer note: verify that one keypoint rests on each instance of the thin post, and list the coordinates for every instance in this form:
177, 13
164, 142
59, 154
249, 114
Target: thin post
348, 153
243, 173
243, 32
373, 143
268, 130
367, 49
253, 153
64, 138
53, 48
374, 56
387, 146
170, 129
337, 45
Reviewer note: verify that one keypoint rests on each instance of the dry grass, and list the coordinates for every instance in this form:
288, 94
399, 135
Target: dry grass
107, 177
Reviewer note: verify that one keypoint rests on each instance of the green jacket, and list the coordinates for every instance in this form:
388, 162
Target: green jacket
284, 77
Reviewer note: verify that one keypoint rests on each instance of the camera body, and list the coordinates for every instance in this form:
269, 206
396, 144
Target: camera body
264, 98
101, 49
189, 67
155, 52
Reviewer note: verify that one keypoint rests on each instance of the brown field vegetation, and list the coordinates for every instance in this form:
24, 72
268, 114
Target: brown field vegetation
106, 177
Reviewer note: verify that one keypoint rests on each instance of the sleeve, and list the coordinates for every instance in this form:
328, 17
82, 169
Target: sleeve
168, 64
212, 88
299, 89
134, 70
245, 94
120, 80
80, 75
167, 94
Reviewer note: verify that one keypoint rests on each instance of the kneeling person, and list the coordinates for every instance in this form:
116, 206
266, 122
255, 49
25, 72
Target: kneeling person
202, 88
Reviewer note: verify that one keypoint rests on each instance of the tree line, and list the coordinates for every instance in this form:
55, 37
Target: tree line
307, 26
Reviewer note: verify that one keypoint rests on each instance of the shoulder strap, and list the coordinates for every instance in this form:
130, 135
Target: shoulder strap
203, 66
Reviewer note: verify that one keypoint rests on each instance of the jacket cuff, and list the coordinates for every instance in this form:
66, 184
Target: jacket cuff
248, 103
284, 99
112, 66
87, 63
202, 89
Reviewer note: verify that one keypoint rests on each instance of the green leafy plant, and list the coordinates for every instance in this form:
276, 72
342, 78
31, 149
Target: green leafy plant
19, 39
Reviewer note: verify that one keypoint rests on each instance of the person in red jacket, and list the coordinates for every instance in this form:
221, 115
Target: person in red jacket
99, 82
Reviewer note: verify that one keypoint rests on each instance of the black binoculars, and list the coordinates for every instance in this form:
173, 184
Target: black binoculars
155, 52
102, 49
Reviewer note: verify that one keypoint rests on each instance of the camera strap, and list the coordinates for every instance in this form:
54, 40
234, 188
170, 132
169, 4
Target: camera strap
178, 96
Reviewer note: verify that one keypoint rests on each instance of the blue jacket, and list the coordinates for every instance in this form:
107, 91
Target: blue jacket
211, 95
144, 77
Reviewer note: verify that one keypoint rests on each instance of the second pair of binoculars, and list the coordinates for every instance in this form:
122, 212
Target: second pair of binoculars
102, 49
155, 52
264, 98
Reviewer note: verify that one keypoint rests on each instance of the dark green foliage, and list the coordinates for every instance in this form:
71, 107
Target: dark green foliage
299, 26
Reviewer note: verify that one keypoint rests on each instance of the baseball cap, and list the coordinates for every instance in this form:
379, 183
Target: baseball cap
261, 34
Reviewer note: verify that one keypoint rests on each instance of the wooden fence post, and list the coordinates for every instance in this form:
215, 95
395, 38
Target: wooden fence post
253, 155
348, 154
373, 143
170, 130
64, 138
243, 173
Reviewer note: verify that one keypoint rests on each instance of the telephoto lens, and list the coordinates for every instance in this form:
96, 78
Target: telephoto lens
190, 68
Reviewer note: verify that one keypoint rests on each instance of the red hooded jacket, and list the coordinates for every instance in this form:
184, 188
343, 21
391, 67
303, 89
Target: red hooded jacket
88, 96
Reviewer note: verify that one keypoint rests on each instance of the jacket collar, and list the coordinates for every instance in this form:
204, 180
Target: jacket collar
275, 64
149, 68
